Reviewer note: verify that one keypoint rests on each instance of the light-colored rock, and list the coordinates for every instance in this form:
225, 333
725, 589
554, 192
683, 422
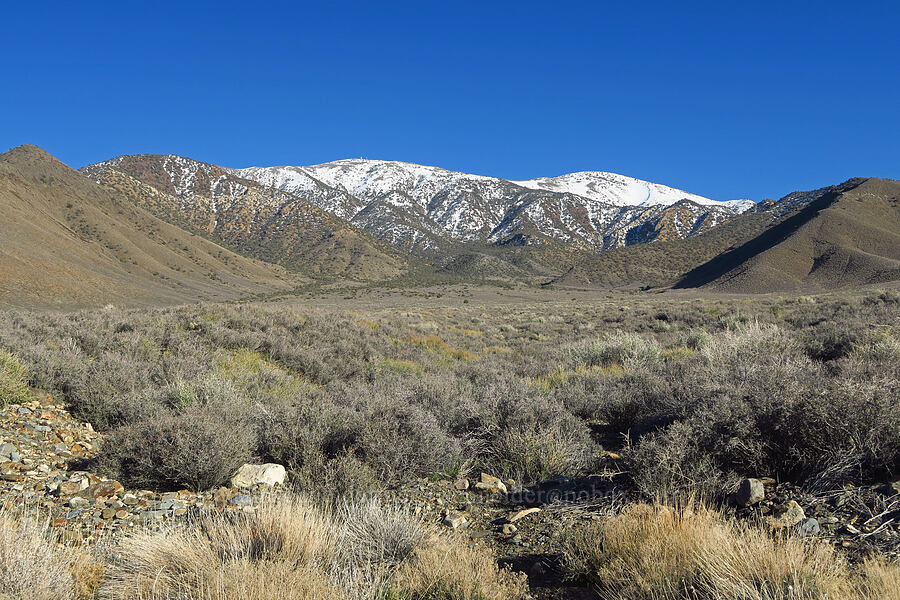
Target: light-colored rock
808, 527
750, 492
495, 487
522, 513
461, 484
509, 529
454, 520
269, 474
787, 515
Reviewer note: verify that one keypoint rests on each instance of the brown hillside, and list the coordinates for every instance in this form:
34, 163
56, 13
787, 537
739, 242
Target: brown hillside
67, 242
849, 236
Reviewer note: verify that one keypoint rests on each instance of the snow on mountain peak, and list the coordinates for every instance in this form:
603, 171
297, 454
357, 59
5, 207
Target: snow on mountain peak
620, 190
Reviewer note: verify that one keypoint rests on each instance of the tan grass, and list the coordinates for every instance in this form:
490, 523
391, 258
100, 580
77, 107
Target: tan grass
658, 553
291, 549
32, 566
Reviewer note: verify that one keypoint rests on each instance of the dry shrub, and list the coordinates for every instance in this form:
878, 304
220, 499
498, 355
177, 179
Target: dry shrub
87, 573
33, 567
656, 553
292, 549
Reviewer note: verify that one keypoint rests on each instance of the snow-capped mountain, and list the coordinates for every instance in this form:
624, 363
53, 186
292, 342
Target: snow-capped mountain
619, 190
409, 205
431, 210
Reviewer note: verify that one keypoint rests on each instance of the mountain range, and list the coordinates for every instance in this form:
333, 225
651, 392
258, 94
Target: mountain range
425, 211
165, 229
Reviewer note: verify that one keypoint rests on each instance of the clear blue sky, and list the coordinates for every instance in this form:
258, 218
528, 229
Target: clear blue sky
722, 99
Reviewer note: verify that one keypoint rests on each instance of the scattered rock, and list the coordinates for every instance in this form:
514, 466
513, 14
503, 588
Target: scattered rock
241, 500
461, 484
454, 519
490, 484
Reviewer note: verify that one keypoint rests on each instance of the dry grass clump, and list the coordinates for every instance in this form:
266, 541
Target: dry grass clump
33, 567
658, 553
291, 549
450, 570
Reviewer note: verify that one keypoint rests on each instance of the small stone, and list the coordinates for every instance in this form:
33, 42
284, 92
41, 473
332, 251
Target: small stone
6, 450
786, 515
78, 502
749, 492
485, 478
241, 500
105, 489
490, 484
129, 499
108, 514
454, 520
509, 529
461, 484
58, 522
68, 488
808, 527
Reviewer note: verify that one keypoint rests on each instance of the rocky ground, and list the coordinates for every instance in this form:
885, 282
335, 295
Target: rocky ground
42, 446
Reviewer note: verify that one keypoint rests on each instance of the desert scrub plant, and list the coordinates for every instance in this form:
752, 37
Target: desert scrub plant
532, 454
270, 554
32, 566
199, 450
653, 552
622, 347
13, 380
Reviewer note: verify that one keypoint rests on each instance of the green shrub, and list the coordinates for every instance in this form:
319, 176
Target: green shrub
13, 380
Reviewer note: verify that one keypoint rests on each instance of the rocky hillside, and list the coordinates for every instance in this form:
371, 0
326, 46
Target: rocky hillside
262, 222
431, 211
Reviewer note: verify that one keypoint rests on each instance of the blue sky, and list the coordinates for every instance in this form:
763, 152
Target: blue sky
721, 99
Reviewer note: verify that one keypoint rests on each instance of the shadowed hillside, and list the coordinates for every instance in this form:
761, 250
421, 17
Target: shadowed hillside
848, 236
67, 242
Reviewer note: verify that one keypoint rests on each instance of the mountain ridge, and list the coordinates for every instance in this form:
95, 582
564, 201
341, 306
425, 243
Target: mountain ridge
428, 211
